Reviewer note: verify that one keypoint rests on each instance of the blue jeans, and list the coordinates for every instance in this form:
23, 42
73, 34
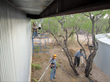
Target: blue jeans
52, 74
34, 33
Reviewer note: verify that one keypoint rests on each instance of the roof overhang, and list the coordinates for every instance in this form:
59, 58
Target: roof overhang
36, 9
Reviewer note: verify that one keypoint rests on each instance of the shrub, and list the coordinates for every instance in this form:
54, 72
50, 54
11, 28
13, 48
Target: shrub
34, 79
37, 48
39, 56
35, 67
32, 66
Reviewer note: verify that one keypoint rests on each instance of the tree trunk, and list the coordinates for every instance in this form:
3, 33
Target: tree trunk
70, 61
65, 48
81, 45
89, 61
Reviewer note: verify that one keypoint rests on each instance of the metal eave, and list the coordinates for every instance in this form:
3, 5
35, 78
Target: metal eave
64, 7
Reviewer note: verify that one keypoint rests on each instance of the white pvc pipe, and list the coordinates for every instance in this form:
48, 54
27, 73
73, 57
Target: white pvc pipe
44, 73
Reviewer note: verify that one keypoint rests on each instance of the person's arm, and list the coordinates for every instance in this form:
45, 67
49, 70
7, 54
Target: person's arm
56, 62
76, 54
83, 55
32, 28
50, 61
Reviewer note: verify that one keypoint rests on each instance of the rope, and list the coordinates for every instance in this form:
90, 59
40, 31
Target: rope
50, 59
44, 73
41, 78
52, 52
47, 66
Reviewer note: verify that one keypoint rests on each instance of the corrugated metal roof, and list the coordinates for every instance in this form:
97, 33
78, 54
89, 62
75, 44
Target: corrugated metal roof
31, 6
105, 38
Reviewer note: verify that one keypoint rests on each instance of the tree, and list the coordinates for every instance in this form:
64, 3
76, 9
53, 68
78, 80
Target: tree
94, 18
64, 27
63, 32
95, 28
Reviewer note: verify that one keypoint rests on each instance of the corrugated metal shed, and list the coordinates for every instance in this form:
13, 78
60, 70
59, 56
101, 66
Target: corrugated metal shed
15, 45
105, 38
102, 58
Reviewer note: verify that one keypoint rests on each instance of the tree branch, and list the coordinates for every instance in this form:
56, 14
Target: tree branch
88, 42
86, 15
81, 45
55, 38
70, 34
60, 21
90, 15
62, 36
98, 13
97, 18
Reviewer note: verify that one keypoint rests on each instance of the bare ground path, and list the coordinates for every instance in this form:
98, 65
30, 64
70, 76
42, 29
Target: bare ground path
43, 58
60, 75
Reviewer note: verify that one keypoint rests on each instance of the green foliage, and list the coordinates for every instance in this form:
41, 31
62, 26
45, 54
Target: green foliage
32, 21
34, 79
37, 48
52, 25
57, 64
36, 67
100, 25
32, 65
79, 20
39, 56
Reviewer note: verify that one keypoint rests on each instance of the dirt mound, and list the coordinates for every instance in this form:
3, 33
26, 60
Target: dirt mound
85, 45
72, 52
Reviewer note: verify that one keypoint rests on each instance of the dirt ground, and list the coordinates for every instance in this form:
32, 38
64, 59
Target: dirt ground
67, 76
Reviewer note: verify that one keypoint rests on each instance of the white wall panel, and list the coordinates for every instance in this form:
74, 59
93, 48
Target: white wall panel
102, 58
15, 44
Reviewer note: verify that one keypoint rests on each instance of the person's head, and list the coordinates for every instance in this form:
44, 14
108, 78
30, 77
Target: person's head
34, 24
80, 50
54, 56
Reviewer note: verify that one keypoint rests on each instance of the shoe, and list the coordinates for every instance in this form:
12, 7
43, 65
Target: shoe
54, 77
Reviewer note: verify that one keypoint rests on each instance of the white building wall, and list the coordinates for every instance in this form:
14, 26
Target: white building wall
15, 44
102, 58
